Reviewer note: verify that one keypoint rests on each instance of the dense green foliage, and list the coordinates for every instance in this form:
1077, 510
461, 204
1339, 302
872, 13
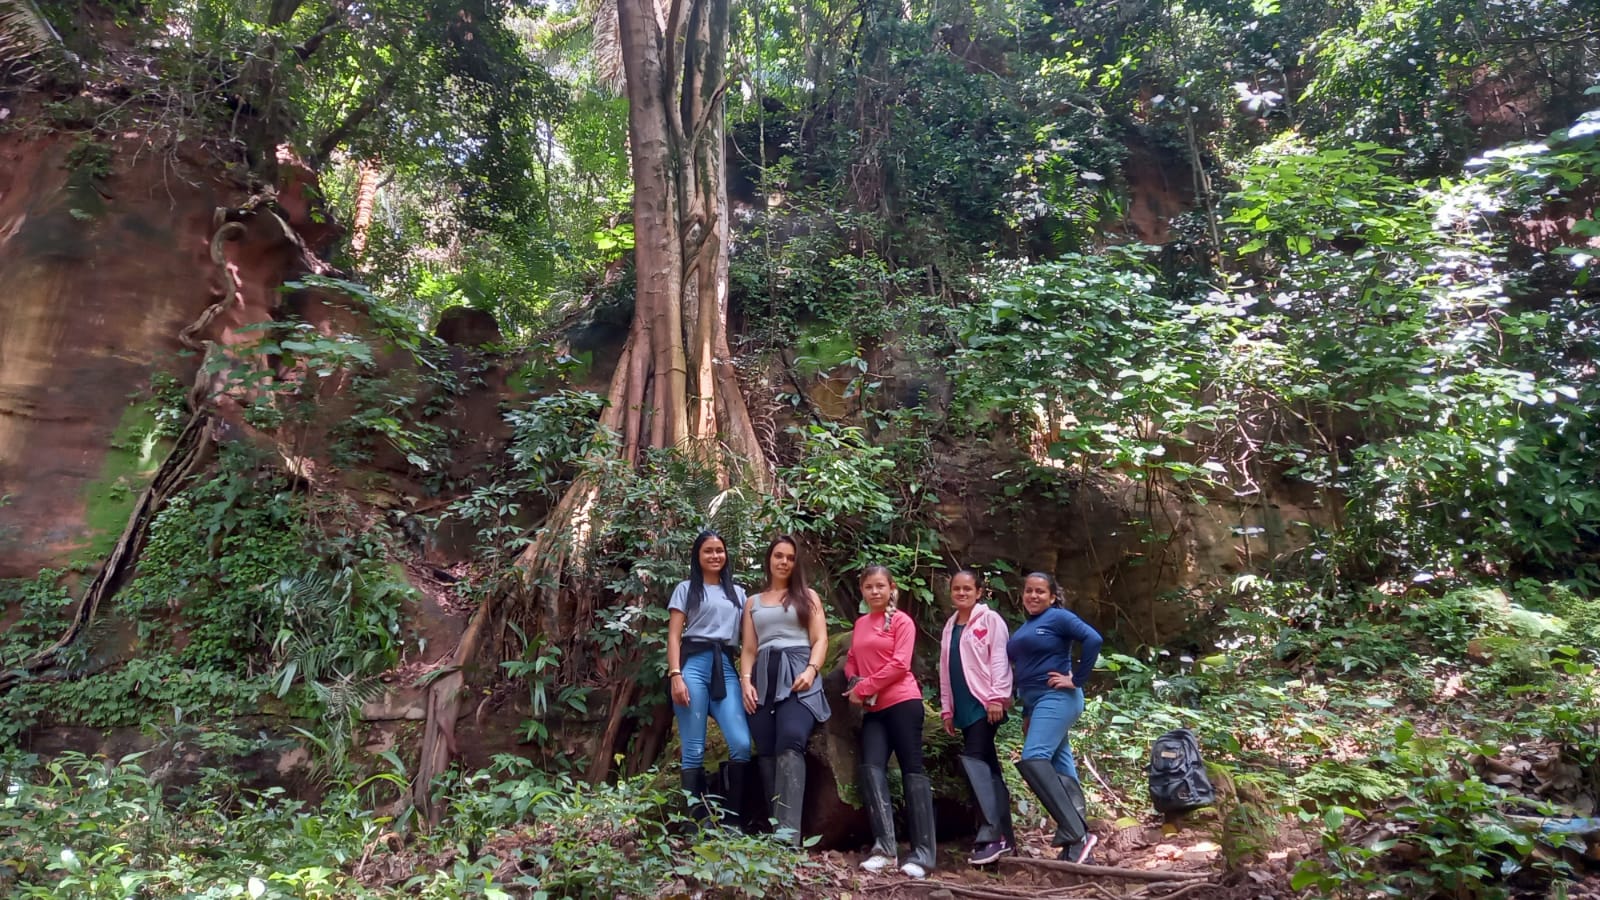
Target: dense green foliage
1203, 251
1396, 695
94, 829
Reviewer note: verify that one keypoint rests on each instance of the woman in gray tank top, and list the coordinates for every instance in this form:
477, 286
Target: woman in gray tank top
785, 641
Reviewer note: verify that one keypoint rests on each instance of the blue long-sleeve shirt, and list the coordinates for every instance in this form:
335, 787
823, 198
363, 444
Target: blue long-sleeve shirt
1043, 644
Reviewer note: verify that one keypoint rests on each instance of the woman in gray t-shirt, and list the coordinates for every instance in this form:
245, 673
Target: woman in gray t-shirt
702, 628
785, 643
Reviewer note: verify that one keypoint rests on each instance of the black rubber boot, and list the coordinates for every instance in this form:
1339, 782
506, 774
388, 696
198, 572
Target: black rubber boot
768, 767
789, 806
983, 782
694, 784
1007, 829
1075, 791
1078, 852
873, 783
735, 775
1047, 785
919, 817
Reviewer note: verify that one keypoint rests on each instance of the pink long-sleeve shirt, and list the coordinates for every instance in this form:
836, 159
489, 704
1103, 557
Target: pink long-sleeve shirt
880, 652
983, 660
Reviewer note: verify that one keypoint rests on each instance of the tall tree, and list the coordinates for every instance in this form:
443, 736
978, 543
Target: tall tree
675, 385
679, 383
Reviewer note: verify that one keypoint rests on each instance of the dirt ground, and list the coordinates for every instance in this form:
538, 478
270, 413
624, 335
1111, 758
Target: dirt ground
1188, 857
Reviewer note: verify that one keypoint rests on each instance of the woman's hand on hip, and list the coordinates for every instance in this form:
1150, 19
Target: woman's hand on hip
680, 691
1061, 682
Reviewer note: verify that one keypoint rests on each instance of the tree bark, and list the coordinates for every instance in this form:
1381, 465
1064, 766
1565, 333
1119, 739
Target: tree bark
366, 196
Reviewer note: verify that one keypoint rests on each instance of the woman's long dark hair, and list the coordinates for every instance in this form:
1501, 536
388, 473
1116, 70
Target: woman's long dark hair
697, 578
797, 595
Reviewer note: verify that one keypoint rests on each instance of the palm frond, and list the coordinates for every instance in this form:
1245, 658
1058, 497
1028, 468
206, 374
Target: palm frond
549, 34
30, 49
606, 47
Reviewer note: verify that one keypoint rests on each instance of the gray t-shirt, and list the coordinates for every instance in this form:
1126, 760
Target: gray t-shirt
717, 619
776, 626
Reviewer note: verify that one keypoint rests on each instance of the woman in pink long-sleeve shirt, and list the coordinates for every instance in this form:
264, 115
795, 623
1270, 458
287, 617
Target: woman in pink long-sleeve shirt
881, 684
974, 692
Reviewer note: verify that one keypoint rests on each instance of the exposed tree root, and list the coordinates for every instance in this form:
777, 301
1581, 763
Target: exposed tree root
444, 708
188, 455
621, 699
546, 556
999, 893
193, 447
1059, 865
674, 386
1150, 892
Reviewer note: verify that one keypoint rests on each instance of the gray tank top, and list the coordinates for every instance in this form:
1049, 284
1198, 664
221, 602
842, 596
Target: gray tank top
777, 627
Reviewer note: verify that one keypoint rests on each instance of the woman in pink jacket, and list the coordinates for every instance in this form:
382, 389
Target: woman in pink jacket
974, 691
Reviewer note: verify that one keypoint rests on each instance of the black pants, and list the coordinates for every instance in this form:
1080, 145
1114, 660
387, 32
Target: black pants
785, 725
897, 729
977, 741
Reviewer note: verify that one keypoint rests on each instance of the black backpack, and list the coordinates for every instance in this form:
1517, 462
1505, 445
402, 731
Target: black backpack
1178, 781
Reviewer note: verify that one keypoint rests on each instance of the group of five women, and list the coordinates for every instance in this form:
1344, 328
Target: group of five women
770, 701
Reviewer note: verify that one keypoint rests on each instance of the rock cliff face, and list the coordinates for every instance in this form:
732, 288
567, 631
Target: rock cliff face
1132, 561
99, 272
119, 261
116, 261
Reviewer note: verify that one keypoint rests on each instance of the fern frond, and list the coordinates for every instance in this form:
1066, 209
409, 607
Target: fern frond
344, 696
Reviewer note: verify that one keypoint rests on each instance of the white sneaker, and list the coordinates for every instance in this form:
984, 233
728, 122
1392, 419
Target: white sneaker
912, 870
877, 862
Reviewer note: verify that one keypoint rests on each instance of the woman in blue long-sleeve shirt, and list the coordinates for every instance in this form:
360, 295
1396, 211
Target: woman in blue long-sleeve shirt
1050, 684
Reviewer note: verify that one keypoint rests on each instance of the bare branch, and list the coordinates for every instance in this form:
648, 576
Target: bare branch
340, 134
1103, 871
329, 25
282, 11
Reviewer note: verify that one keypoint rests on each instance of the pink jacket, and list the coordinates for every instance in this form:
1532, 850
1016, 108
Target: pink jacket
983, 660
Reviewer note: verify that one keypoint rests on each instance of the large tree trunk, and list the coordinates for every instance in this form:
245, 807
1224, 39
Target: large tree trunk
675, 76
675, 385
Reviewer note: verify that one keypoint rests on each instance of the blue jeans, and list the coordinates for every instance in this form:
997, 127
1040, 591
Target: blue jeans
1051, 716
729, 711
